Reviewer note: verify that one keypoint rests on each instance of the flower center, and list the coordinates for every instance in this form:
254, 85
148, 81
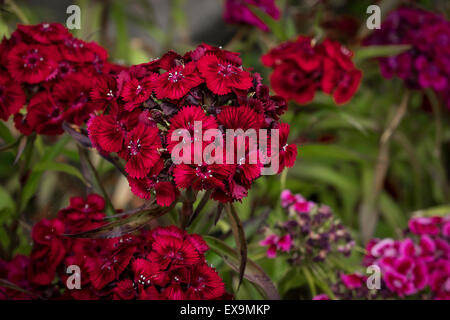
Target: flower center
226, 70
32, 58
175, 76
203, 172
134, 147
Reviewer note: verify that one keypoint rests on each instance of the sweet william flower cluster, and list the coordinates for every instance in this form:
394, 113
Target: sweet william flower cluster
311, 234
426, 63
417, 264
302, 67
51, 72
145, 105
162, 263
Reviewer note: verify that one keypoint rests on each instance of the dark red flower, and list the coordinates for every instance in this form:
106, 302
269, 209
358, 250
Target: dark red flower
177, 81
166, 192
287, 152
291, 82
12, 97
72, 93
201, 177
106, 132
83, 214
45, 33
222, 76
44, 116
48, 251
168, 251
141, 150
303, 66
204, 283
124, 290
107, 266
185, 119
77, 50
33, 63
104, 91
242, 117
136, 91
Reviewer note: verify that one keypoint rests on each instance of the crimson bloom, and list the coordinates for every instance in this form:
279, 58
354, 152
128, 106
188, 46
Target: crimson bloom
45, 33
137, 91
141, 150
302, 67
222, 76
12, 97
32, 63
176, 82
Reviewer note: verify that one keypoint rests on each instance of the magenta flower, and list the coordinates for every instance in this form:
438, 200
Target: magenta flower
353, 281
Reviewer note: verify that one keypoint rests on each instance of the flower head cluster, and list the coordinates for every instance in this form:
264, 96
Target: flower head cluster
426, 63
238, 11
302, 67
163, 263
413, 263
206, 89
310, 235
44, 67
417, 264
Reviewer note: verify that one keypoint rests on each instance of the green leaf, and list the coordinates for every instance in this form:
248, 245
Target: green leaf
327, 151
32, 183
310, 280
253, 272
60, 167
440, 211
292, 279
368, 52
5, 134
6, 202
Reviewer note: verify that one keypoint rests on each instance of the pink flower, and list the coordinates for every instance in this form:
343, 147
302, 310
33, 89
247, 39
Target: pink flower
353, 281
275, 243
285, 243
321, 296
270, 241
425, 225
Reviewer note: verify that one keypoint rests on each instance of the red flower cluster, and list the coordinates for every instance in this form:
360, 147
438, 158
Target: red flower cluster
147, 104
301, 67
163, 263
44, 67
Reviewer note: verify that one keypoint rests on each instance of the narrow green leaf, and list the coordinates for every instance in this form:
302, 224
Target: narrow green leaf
310, 280
5, 134
60, 167
253, 272
368, 52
